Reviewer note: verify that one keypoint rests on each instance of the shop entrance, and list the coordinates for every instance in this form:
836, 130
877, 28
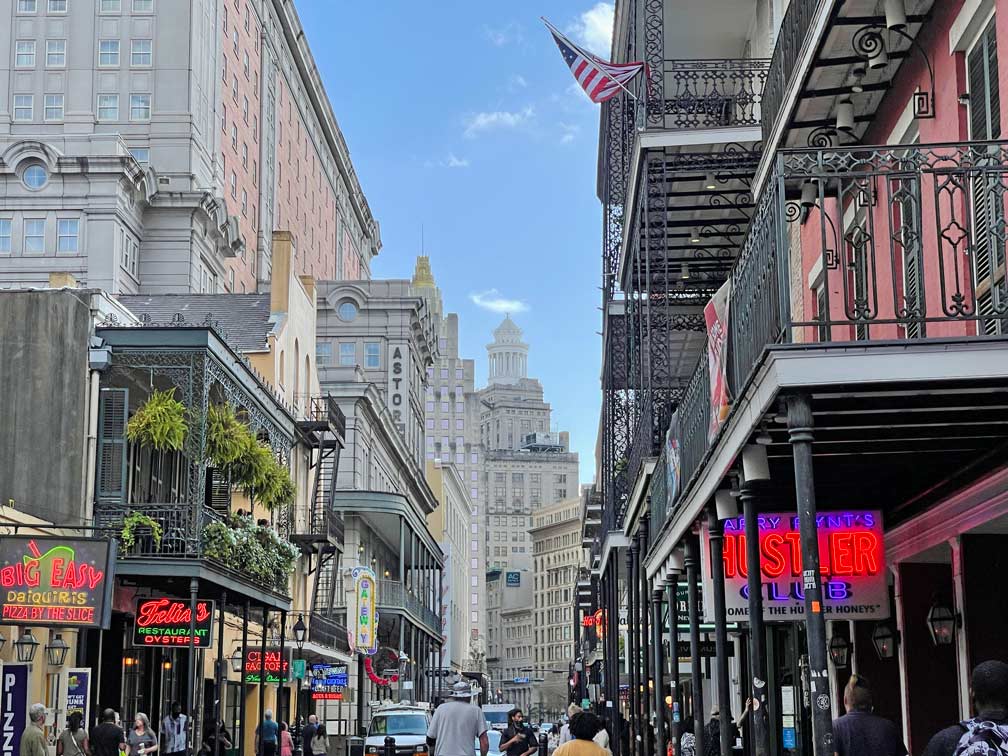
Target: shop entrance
790, 714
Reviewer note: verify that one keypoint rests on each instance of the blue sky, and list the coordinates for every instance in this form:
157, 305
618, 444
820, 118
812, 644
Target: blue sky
462, 117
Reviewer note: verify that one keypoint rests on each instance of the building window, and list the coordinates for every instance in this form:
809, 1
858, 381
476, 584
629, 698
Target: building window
108, 109
234, 40
234, 185
244, 202
140, 107
35, 176
234, 136
223, 119
234, 89
55, 53
430, 406
24, 54
24, 106
323, 354
110, 6
347, 311
348, 354
444, 423
129, 252
27, 6
6, 234
141, 52
245, 65
143, 6
444, 374
244, 155
108, 52
54, 107
459, 374
459, 407
57, 6
67, 233
473, 458
459, 423
34, 236
372, 356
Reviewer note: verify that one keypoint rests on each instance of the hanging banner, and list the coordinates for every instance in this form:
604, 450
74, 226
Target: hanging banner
13, 707
165, 622
56, 582
78, 691
716, 316
673, 461
363, 600
851, 562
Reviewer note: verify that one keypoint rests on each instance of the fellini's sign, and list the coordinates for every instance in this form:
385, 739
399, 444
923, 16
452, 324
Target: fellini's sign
851, 562
50, 581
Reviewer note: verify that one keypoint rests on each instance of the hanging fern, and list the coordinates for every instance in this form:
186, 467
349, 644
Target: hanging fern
279, 489
226, 436
252, 469
160, 422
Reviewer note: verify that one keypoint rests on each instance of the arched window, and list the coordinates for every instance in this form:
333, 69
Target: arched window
297, 370
280, 374
307, 376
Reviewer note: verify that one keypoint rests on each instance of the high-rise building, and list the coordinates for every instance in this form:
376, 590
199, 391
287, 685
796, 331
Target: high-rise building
157, 147
452, 436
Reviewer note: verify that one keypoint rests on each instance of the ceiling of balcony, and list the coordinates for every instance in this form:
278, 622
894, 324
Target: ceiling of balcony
708, 29
840, 67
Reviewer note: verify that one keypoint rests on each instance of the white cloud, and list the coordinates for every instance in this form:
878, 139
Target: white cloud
568, 131
593, 29
491, 300
517, 81
497, 119
452, 161
504, 35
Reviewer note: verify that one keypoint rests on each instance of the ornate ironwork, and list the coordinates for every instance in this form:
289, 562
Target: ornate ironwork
708, 93
654, 55
869, 42
790, 39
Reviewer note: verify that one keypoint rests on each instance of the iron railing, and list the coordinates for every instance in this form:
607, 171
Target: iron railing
793, 31
704, 94
181, 528
894, 244
393, 595
328, 632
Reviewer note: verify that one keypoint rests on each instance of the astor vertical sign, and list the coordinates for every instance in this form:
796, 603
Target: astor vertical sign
398, 385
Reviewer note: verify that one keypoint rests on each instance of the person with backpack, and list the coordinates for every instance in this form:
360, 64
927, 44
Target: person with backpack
986, 734
859, 732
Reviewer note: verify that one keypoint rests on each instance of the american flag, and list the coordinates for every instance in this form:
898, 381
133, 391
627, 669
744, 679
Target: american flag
599, 80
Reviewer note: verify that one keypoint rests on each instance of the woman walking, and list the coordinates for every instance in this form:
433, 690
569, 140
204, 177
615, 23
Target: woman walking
141, 738
286, 742
73, 741
320, 741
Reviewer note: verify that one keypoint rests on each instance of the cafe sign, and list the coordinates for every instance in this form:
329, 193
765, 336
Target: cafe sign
851, 561
363, 631
275, 664
166, 622
56, 582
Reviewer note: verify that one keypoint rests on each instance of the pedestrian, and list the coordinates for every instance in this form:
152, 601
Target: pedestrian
687, 740
175, 731
286, 742
712, 732
141, 738
107, 738
457, 724
584, 726
216, 738
986, 734
33, 739
320, 741
859, 732
518, 738
308, 732
73, 741
565, 734
267, 735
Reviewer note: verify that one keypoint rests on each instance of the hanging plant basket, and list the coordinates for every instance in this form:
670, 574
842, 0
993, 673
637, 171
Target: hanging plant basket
279, 488
226, 436
137, 524
160, 423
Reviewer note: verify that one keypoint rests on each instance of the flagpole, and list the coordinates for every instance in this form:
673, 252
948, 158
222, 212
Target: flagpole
588, 55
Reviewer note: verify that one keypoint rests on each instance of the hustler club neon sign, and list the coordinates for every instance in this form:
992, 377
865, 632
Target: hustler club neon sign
851, 565
54, 581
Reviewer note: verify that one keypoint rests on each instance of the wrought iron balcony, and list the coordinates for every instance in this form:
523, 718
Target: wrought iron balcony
394, 596
704, 94
793, 31
893, 244
328, 632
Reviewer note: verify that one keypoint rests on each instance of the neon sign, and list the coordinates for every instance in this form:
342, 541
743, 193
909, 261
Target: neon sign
55, 581
364, 632
851, 561
276, 666
165, 622
328, 682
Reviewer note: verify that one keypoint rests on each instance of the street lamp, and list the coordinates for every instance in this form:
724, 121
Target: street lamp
26, 646
236, 660
56, 651
942, 622
300, 633
839, 651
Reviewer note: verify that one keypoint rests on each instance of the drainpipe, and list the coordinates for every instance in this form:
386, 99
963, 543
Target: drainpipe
91, 445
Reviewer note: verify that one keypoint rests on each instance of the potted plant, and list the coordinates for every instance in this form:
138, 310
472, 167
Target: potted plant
138, 524
160, 423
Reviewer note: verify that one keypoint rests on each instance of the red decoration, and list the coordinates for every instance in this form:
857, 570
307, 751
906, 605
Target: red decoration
381, 682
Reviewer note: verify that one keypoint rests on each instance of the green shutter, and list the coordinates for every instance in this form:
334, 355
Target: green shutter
112, 416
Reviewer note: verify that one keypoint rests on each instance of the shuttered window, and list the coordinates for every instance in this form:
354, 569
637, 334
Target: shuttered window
988, 210
112, 410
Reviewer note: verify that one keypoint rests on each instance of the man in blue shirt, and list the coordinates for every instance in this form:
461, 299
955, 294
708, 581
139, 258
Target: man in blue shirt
859, 732
267, 735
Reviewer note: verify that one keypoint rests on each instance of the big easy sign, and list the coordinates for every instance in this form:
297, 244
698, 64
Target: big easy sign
54, 581
851, 562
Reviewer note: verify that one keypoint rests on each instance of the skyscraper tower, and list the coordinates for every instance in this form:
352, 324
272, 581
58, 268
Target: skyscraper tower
507, 356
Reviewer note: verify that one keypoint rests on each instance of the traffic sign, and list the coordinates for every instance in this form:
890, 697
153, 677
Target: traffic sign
522, 680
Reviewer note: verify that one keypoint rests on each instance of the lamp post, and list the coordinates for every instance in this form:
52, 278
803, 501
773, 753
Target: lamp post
26, 646
839, 651
56, 650
300, 633
884, 640
942, 623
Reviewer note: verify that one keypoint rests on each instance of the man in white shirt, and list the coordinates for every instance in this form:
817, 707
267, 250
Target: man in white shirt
457, 724
175, 731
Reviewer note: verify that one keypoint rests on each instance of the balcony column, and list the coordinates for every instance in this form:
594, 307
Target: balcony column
262, 664
692, 564
757, 630
673, 625
280, 685
402, 551
240, 735
611, 620
220, 673
720, 627
633, 671
800, 424
643, 641
658, 647
191, 680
